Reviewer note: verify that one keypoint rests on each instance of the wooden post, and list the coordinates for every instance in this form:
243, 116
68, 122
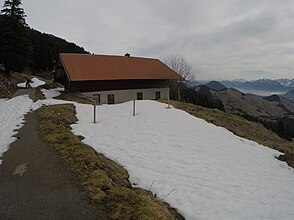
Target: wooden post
134, 107
168, 103
179, 94
94, 103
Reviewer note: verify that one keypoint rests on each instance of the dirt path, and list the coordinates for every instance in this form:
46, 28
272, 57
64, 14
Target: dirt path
36, 184
30, 92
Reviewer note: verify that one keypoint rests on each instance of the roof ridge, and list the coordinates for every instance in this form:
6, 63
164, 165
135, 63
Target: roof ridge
107, 55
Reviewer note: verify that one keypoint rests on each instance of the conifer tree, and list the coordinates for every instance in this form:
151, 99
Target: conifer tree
15, 44
12, 9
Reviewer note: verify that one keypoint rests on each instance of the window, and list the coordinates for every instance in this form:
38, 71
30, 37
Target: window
96, 97
110, 98
157, 95
140, 96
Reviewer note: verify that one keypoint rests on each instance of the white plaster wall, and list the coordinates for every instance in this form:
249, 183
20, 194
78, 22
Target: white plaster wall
127, 95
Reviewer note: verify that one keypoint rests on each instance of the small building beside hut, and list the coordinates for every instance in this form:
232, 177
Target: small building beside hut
114, 79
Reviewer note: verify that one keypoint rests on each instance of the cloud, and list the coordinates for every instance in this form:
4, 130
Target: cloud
220, 39
258, 74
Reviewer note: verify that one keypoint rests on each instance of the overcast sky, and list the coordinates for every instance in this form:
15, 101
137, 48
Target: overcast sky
221, 39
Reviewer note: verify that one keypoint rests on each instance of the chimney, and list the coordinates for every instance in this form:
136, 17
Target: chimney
127, 55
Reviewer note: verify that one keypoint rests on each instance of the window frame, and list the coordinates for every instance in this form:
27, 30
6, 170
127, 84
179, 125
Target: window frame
139, 95
157, 95
110, 101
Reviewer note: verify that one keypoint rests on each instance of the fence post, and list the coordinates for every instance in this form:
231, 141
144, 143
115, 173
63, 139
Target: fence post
94, 103
168, 103
134, 107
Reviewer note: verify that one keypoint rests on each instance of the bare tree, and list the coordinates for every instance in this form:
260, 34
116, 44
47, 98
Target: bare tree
178, 64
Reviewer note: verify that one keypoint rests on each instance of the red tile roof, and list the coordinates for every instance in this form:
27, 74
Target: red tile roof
82, 67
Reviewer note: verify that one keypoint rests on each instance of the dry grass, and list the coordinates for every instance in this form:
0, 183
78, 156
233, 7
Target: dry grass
242, 127
38, 95
106, 181
8, 84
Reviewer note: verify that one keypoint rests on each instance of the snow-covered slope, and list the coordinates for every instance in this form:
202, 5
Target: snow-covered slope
204, 171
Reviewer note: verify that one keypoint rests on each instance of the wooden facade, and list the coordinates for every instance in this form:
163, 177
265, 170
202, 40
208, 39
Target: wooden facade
91, 86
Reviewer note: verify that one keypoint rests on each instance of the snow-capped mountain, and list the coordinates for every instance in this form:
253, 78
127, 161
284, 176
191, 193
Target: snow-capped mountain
286, 82
282, 85
264, 84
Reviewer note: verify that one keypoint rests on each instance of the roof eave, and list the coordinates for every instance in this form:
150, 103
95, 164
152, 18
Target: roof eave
64, 66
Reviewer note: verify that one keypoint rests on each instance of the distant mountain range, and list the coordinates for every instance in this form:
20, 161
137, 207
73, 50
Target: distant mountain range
286, 82
279, 85
269, 86
275, 111
240, 103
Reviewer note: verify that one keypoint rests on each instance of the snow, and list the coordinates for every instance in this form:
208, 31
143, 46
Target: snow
204, 171
52, 93
35, 83
12, 113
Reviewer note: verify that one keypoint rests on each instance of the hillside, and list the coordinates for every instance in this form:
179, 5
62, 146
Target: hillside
22, 47
25, 51
214, 85
239, 103
46, 49
289, 95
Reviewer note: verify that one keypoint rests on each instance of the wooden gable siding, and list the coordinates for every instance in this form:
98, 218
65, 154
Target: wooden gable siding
104, 85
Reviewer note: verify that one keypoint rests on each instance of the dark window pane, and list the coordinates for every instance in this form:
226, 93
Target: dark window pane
157, 95
140, 96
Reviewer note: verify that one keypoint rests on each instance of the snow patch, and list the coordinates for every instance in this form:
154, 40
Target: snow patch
35, 83
49, 94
